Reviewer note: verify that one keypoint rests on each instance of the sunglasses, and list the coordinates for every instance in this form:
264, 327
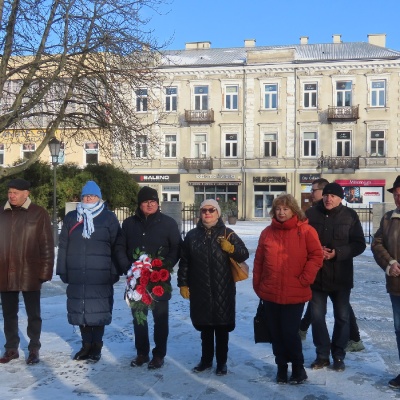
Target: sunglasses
210, 210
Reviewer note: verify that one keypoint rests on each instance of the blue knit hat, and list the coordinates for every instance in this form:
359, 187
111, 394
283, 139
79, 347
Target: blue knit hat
91, 187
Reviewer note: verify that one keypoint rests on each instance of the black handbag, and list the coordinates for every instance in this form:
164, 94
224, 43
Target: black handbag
261, 328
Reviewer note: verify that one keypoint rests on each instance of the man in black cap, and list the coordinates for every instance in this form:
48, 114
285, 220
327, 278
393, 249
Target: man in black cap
342, 238
27, 260
155, 234
386, 250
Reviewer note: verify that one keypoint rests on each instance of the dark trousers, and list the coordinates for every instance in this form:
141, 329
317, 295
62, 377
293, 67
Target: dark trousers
10, 306
354, 331
341, 329
284, 322
161, 330
92, 334
221, 334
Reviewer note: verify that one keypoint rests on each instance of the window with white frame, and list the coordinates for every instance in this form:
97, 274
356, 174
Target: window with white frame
231, 144
343, 144
1, 154
170, 146
141, 100
309, 144
141, 146
270, 144
231, 97
91, 153
171, 99
310, 95
343, 93
201, 97
271, 96
27, 150
378, 93
200, 145
377, 144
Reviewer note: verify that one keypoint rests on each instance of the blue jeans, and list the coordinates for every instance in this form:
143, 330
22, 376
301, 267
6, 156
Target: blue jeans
396, 318
341, 329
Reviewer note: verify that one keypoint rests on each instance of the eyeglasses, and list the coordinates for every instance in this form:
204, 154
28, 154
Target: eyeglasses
210, 210
314, 190
89, 196
149, 202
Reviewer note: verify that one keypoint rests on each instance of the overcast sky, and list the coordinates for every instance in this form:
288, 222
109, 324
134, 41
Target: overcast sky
226, 23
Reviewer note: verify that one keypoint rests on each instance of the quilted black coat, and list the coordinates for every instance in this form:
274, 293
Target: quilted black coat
205, 268
338, 229
87, 266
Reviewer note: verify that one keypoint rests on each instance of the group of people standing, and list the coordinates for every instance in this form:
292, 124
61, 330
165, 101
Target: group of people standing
300, 257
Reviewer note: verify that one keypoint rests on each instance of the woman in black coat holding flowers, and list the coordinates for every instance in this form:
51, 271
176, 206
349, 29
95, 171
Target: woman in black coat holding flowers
85, 263
205, 278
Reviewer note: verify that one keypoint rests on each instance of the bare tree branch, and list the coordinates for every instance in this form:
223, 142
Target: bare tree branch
72, 69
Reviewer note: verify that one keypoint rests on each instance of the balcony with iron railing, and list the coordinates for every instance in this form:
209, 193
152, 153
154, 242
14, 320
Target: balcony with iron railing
347, 113
199, 116
338, 163
198, 163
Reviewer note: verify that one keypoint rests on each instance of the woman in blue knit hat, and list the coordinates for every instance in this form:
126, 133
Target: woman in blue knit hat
85, 263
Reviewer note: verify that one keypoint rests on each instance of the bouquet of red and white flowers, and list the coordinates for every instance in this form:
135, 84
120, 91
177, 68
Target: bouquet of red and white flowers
146, 280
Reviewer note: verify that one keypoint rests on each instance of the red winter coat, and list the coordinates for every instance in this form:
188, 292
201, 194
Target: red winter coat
287, 260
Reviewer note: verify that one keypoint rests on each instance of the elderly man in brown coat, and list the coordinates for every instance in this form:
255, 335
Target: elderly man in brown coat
26, 261
386, 250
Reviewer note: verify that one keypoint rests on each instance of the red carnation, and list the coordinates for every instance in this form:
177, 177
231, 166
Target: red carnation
156, 263
158, 290
144, 280
145, 273
164, 275
141, 289
155, 276
146, 298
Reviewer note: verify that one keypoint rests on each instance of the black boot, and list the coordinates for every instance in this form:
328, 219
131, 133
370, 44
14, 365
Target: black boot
281, 376
299, 374
83, 353
95, 353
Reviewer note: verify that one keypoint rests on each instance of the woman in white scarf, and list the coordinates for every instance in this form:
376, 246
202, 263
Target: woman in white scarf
85, 263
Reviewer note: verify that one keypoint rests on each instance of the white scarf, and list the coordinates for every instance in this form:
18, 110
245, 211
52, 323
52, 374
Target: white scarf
88, 211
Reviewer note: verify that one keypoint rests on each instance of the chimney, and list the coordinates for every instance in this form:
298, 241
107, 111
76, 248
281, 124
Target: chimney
249, 42
377, 39
303, 39
337, 38
197, 45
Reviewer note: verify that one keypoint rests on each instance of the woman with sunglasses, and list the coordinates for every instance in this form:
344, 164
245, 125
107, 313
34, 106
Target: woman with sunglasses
205, 278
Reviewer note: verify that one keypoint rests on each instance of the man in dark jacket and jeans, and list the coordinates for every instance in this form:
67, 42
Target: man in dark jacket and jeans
27, 260
155, 234
342, 238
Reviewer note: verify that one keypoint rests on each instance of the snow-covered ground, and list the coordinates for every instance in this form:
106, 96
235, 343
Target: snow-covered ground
251, 367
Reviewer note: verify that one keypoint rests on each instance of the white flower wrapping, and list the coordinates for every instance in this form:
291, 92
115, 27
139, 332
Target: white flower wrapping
133, 275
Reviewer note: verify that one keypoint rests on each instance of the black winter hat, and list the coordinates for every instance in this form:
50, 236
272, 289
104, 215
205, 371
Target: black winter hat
396, 184
19, 184
147, 193
333, 188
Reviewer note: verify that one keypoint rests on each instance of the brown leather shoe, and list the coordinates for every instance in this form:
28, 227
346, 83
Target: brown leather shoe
156, 362
33, 357
140, 360
10, 354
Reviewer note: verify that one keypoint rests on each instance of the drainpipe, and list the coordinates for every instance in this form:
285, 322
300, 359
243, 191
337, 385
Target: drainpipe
244, 181
295, 131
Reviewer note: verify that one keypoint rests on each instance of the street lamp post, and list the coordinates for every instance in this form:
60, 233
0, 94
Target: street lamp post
54, 146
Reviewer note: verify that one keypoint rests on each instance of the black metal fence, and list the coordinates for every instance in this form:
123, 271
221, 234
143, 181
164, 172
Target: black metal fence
190, 216
366, 218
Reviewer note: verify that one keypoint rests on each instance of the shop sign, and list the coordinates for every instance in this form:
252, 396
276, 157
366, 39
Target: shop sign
361, 182
269, 179
309, 178
154, 178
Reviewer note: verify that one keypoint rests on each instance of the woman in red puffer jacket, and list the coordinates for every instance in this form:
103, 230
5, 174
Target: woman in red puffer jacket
288, 257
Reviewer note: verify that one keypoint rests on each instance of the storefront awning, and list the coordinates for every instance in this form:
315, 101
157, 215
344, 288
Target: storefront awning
214, 183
